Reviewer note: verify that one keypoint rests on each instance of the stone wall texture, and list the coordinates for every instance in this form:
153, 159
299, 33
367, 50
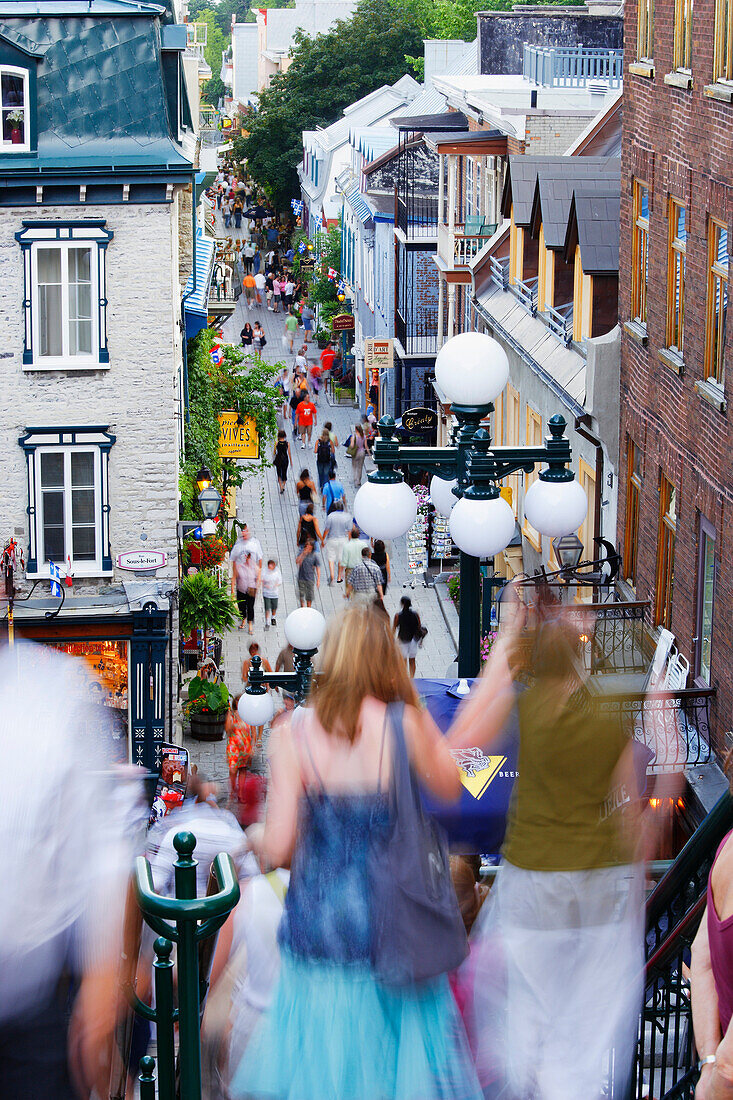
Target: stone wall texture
137, 396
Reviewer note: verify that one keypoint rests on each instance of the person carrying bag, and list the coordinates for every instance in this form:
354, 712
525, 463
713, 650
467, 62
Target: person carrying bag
419, 932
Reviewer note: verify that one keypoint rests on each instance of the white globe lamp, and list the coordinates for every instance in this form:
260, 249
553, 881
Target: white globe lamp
304, 628
555, 507
385, 509
256, 708
441, 494
471, 369
482, 527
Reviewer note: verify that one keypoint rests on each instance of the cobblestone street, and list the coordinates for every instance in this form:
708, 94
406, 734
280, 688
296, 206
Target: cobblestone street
273, 519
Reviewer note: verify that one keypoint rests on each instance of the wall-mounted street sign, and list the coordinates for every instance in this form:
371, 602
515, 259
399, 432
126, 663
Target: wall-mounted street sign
238, 438
343, 322
420, 420
141, 561
378, 354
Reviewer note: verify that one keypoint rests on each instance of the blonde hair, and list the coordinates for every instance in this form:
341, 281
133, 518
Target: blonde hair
359, 658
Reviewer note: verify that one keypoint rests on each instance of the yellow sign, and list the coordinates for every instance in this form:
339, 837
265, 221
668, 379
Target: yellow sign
477, 770
238, 439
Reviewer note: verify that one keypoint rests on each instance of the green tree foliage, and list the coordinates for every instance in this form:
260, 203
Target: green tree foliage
240, 382
327, 73
216, 42
222, 12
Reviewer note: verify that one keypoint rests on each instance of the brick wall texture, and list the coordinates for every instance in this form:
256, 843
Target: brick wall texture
137, 396
681, 143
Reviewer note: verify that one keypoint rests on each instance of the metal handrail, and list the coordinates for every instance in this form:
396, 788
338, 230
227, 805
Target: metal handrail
185, 920
526, 292
560, 321
665, 1046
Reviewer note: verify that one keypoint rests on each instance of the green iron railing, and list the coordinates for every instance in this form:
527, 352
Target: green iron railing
191, 923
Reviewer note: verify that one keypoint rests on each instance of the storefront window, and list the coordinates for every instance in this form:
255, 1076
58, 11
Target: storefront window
106, 664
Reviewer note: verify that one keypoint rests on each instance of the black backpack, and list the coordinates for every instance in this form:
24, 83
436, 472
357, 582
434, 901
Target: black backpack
323, 454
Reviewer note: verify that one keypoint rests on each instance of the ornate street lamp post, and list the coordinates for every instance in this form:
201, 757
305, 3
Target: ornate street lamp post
472, 370
304, 630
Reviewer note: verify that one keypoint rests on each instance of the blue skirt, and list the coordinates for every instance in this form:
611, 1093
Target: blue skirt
334, 1033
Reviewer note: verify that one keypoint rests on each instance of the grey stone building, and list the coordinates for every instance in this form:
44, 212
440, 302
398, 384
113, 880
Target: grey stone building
95, 248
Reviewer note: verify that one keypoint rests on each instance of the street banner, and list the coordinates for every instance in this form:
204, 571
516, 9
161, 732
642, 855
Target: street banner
378, 354
238, 438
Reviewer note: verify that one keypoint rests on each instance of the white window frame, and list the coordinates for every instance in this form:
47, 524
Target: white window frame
25, 145
93, 234
81, 568
39, 441
66, 359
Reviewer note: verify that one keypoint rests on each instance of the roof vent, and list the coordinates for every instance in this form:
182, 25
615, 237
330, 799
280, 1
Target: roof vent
597, 87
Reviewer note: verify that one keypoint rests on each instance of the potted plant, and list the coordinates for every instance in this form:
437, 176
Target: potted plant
323, 337
207, 708
206, 605
16, 120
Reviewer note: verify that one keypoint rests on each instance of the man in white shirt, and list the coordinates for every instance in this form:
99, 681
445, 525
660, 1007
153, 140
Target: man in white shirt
260, 287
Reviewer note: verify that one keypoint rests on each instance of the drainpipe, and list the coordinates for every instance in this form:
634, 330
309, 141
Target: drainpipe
583, 431
183, 302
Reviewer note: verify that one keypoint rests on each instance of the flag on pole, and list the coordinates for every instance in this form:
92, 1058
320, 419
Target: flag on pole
54, 576
297, 206
302, 248
318, 222
341, 287
69, 578
332, 273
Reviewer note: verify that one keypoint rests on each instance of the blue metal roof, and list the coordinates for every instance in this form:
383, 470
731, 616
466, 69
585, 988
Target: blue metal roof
101, 92
196, 304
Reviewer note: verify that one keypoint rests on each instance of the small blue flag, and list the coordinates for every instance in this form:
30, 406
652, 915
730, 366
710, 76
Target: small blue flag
297, 205
342, 287
301, 247
54, 576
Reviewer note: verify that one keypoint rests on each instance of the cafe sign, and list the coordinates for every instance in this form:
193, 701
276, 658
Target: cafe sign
141, 561
343, 322
378, 354
420, 420
238, 437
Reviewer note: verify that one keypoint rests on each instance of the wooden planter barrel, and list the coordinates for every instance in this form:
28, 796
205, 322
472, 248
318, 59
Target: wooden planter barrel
207, 726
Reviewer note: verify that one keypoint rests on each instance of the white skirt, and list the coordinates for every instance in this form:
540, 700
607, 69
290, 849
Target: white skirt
409, 649
556, 976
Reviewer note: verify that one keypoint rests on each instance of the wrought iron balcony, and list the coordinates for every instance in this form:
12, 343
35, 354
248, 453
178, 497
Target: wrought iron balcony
573, 67
418, 336
417, 216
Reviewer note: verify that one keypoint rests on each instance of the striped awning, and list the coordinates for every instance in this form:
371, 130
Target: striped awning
358, 204
196, 303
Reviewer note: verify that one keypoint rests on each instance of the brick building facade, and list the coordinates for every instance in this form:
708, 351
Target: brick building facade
676, 484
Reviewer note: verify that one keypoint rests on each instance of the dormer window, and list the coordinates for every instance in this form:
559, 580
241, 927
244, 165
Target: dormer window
14, 106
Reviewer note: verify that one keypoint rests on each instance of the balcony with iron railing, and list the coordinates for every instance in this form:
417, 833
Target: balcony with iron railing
417, 336
417, 216
196, 38
572, 67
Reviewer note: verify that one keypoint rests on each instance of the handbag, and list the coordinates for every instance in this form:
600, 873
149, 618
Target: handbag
251, 591
418, 930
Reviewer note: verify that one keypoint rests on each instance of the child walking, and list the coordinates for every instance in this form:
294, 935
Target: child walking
272, 580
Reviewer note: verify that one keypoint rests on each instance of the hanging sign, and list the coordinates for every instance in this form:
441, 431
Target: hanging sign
420, 420
141, 561
343, 322
238, 438
379, 354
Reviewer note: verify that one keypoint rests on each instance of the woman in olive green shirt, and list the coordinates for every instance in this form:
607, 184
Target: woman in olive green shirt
565, 918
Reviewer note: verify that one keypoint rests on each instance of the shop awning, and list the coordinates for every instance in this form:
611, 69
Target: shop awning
196, 301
